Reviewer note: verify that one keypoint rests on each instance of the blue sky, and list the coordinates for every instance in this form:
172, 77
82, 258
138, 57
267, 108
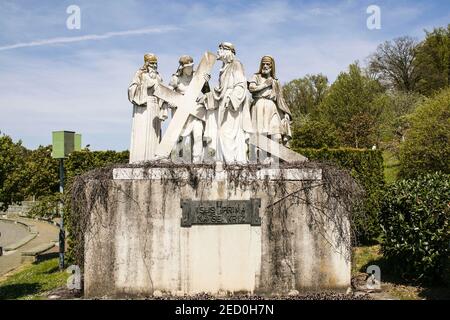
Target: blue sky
58, 78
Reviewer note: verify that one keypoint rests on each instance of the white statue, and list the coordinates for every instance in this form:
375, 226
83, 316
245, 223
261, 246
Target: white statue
195, 124
147, 111
228, 123
271, 116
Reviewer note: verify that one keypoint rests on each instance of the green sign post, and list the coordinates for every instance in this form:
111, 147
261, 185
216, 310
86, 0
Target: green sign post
64, 143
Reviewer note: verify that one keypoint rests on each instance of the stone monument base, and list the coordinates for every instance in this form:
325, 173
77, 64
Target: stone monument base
187, 230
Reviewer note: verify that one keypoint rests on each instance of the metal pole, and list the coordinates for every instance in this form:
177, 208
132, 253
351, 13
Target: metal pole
61, 225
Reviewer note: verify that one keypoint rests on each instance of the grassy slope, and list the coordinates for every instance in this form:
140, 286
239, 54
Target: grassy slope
31, 281
391, 167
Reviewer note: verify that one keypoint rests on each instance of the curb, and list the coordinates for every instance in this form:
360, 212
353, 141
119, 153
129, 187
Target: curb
33, 234
16, 222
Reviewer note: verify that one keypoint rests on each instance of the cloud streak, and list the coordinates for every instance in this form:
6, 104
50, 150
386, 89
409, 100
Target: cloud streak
90, 37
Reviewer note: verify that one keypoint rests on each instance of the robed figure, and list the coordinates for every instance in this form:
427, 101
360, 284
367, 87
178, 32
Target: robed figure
194, 125
270, 114
228, 122
147, 111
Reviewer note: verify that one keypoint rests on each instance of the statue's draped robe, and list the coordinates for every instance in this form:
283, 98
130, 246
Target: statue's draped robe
147, 117
269, 109
227, 129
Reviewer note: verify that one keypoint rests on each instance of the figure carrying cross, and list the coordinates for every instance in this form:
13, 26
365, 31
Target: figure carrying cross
228, 129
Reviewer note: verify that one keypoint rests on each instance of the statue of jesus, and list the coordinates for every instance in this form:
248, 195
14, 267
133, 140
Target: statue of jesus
195, 123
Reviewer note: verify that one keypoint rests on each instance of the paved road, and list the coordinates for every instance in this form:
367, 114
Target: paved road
11, 232
13, 259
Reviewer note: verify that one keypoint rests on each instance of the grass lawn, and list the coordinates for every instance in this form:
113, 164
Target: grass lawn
31, 281
391, 167
393, 286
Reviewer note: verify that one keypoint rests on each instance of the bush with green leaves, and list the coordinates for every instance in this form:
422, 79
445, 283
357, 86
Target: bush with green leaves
310, 133
415, 218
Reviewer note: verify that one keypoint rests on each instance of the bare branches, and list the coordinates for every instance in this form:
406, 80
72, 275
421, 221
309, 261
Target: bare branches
394, 64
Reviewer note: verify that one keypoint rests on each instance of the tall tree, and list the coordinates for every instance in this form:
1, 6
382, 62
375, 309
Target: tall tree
354, 106
433, 61
394, 64
305, 94
12, 162
41, 172
395, 119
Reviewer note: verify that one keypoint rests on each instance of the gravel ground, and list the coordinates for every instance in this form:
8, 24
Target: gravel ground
63, 293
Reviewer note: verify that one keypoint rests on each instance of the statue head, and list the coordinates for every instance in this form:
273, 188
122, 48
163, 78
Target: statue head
186, 66
226, 52
150, 61
267, 66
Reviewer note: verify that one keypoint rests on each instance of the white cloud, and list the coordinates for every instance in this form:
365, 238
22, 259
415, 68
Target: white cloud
89, 37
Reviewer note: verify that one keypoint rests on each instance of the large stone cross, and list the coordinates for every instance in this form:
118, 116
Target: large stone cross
186, 104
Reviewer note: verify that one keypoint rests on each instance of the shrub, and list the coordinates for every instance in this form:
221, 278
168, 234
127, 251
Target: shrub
427, 145
366, 166
415, 218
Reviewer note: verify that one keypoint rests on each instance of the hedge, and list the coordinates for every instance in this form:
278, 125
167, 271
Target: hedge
415, 216
366, 166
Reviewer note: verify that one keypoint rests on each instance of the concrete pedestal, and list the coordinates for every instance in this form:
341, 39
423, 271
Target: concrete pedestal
138, 244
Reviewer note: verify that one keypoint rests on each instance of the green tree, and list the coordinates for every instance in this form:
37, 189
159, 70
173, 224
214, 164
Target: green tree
12, 162
395, 120
305, 94
41, 172
82, 161
353, 107
433, 61
394, 65
427, 143
310, 133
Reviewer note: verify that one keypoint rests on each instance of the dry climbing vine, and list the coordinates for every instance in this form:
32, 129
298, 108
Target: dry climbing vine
341, 191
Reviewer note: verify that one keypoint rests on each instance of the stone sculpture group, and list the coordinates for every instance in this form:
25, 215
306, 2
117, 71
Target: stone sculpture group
231, 123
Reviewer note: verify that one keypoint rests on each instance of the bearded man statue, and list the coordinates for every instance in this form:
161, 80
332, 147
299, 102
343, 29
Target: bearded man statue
270, 114
147, 111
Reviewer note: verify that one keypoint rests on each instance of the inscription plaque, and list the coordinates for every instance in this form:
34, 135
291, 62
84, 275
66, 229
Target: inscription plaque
218, 212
